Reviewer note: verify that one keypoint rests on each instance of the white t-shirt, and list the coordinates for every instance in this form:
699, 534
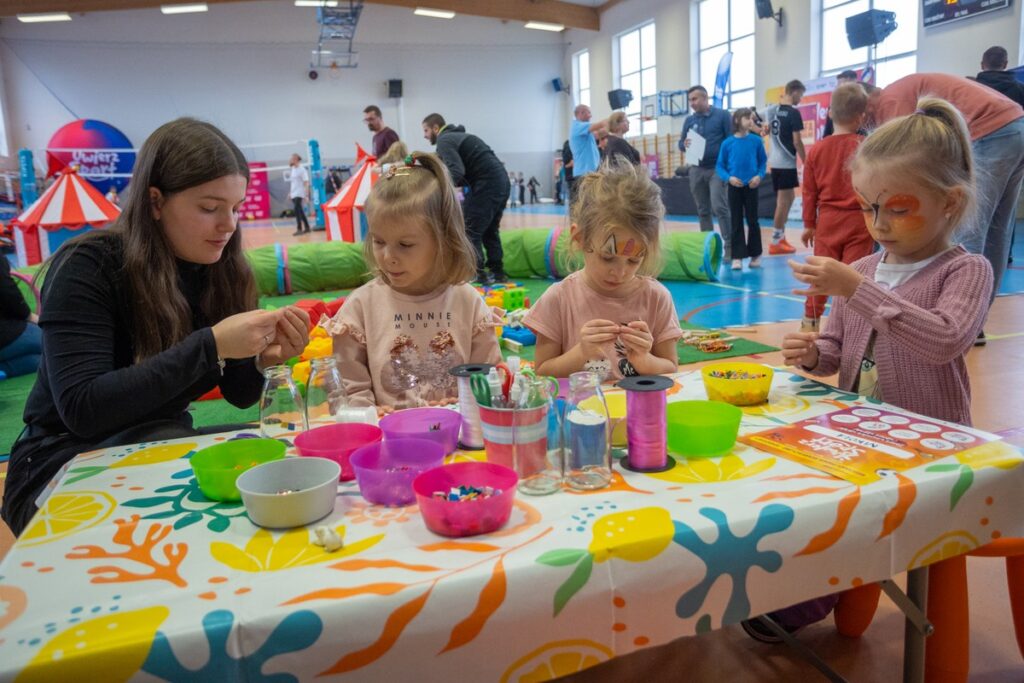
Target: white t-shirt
298, 177
893, 275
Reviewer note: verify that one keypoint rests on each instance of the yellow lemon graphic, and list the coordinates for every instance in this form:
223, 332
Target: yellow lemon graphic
993, 454
781, 407
947, 545
633, 535
712, 470
556, 659
65, 514
109, 648
155, 454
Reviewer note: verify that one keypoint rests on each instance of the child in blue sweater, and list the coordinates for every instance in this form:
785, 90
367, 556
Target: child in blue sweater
741, 164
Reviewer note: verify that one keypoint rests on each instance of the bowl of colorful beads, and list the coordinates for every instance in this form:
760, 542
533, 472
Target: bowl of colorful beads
290, 492
466, 498
385, 470
741, 384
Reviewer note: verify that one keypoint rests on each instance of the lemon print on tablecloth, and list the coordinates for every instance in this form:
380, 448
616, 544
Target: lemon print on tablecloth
712, 470
556, 659
109, 648
154, 454
66, 513
949, 544
632, 535
781, 406
992, 454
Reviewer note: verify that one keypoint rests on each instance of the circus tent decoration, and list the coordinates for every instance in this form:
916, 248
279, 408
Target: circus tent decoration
344, 211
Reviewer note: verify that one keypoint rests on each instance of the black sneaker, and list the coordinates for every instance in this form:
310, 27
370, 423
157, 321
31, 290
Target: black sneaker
484, 279
758, 630
981, 341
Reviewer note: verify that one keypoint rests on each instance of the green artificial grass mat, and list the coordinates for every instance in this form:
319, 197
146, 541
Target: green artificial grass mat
740, 347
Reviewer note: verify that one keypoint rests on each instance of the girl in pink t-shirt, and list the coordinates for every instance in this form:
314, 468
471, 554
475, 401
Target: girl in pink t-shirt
398, 335
611, 316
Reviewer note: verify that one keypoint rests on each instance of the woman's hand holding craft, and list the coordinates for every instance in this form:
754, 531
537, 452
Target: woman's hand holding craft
244, 335
290, 337
798, 348
825, 276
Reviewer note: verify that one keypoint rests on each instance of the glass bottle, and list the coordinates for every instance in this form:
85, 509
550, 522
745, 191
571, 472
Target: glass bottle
282, 410
325, 392
537, 441
588, 452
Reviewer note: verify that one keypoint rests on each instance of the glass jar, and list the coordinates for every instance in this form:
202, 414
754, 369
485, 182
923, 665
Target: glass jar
588, 452
282, 410
325, 392
537, 440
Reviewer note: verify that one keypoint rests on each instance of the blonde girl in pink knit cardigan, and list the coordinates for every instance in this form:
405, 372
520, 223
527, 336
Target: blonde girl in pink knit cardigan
904, 317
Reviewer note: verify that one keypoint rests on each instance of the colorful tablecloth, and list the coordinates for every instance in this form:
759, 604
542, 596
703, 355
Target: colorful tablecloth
130, 573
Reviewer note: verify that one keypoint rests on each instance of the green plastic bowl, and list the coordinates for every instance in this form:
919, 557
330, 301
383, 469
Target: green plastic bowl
217, 467
702, 429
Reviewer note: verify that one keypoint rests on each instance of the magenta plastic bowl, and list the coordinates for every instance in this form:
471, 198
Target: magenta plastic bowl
471, 517
385, 470
337, 443
437, 424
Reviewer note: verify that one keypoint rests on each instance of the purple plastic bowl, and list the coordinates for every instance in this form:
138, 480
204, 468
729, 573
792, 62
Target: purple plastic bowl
437, 424
471, 517
337, 442
385, 470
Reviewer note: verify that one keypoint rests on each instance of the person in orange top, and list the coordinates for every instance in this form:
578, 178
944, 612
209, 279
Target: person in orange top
996, 126
833, 221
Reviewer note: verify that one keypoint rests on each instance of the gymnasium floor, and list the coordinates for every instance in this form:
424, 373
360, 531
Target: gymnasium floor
760, 303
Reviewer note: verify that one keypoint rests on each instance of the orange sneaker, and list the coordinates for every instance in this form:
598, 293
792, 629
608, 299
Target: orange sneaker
781, 247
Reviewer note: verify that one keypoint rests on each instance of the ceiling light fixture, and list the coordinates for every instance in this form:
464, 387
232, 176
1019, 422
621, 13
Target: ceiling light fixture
48, 16
184, 9
435, 13
544, 26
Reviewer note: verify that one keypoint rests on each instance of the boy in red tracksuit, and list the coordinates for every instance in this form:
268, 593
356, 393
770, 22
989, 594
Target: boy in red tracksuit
833, 221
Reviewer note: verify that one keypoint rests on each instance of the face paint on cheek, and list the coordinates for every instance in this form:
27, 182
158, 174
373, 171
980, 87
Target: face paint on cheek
910, 220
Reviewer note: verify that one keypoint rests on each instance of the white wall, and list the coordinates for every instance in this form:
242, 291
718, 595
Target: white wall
243, 67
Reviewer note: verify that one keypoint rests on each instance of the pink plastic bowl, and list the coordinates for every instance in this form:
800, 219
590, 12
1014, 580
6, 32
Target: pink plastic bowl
337, 442
437, 424
471, 517
385, 470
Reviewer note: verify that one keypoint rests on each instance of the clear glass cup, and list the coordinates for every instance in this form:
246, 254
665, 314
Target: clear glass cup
325, 392
537, 442
588, 452
282, 410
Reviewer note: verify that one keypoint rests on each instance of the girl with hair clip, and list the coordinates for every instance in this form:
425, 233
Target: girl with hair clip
398, 335
148, 315
612, 316
904, 317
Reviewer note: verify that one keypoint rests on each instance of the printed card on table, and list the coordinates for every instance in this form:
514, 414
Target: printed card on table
858, 444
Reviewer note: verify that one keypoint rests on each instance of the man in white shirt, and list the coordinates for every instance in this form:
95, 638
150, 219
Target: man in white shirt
298, 178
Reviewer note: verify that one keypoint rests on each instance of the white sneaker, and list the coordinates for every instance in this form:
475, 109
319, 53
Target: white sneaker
755, 262
737, 264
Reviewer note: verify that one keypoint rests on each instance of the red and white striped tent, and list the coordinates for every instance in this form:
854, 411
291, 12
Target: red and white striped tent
344, 211
69, 205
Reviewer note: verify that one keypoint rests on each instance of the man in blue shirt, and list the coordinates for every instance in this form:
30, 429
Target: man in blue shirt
708, 190
586, 156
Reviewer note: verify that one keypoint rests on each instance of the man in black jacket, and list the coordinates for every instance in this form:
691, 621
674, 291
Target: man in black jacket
994, 74
474, 165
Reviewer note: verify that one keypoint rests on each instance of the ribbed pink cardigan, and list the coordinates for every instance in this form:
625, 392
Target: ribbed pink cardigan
924, 328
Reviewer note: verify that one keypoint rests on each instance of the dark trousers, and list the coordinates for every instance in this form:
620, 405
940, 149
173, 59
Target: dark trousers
482, 212
19, 503
300, 215
744, 200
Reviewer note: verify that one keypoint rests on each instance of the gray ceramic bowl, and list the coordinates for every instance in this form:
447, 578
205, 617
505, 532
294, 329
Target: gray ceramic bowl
290, 492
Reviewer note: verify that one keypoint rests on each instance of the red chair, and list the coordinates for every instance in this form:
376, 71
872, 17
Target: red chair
947, 650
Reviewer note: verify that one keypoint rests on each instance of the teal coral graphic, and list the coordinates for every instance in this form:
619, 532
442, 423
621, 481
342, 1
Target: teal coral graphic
188, 505
296, 632
731, 555
810, 387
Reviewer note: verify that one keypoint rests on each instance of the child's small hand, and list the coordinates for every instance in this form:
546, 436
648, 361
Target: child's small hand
755, 182
798, 348
594, 334
825, 277
807, 237
384, 410
637, 339
735, 182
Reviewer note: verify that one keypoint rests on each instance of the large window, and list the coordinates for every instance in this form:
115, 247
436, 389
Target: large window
581, 78
727, 26
637, 72
895, 57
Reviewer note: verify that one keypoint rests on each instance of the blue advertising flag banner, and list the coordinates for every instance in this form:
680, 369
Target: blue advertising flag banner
722, 79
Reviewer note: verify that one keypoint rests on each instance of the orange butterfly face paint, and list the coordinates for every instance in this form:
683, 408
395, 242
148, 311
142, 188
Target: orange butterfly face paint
904, 211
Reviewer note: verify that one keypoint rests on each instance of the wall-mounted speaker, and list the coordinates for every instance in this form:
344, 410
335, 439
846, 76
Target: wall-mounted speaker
869, 28
620, 99
395, 87
557, 85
